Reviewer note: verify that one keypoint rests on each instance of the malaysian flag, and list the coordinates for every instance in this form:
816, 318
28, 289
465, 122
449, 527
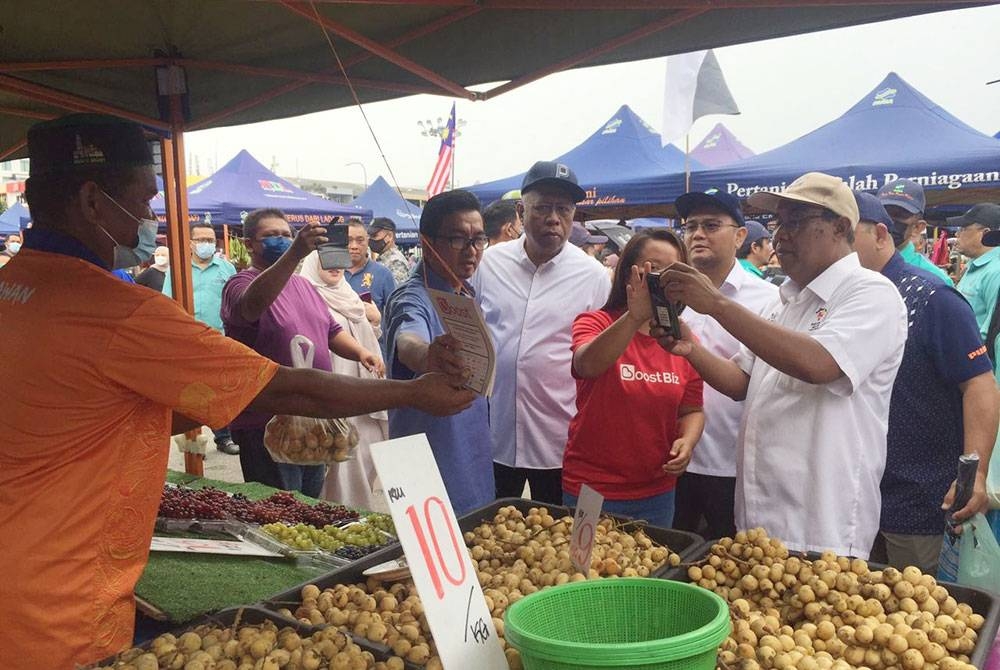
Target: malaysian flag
446, 156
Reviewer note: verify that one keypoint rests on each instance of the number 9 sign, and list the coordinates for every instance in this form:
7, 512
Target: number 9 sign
588, 513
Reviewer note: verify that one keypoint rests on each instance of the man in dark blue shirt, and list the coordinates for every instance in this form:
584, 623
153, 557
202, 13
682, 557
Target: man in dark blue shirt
366, 275
944, 402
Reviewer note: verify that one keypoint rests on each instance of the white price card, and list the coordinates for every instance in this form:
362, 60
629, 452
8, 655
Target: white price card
585, 520
463, 319
439, 562
205, 546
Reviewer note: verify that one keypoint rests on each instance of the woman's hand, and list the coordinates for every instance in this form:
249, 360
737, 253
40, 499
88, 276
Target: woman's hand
372, 313
681, 347
640, 307
680, 456
372, 362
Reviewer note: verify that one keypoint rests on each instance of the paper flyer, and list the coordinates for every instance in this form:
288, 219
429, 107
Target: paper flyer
462, 319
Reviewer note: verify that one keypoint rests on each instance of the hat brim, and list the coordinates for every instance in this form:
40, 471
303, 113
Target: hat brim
768, 202
959, 221
903, 204
572, 189
689, 202
992, 238
597, 239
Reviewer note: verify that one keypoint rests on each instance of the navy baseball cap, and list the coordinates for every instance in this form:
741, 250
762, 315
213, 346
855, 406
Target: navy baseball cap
579, 235
871, 210
713, 197
903, 193
553, 174
86, 141
755, 233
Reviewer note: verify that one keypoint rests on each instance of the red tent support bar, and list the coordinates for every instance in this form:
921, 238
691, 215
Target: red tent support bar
12, 149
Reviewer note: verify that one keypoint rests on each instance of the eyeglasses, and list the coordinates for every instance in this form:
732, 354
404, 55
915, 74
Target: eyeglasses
460, 243
793, 224
710, 227
545, 209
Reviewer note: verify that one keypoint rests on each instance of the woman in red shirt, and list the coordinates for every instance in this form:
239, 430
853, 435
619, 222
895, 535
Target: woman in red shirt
638, 407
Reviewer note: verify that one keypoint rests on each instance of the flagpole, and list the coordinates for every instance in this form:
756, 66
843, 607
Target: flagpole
687, 163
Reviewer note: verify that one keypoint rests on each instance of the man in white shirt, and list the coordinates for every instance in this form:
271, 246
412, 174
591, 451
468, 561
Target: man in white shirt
530, 291
714, 229
817, 374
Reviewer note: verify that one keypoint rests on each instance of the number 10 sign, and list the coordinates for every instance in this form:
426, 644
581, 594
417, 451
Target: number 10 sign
435, 551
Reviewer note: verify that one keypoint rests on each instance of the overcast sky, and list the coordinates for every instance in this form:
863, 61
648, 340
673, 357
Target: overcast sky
784, 87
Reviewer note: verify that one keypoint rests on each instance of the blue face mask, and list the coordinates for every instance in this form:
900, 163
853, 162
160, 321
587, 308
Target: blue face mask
204, 250
13, 247
275, 247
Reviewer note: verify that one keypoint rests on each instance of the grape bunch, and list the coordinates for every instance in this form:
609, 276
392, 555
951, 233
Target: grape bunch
306, 537
353, 552
180, 503
381, 521
211, 503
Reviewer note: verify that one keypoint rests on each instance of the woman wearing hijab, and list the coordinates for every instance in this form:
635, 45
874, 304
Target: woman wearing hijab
350, 482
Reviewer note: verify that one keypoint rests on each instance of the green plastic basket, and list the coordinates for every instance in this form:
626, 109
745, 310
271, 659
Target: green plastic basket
651, 624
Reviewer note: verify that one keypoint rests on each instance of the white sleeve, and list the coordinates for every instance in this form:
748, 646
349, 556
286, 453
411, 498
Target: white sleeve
745, 359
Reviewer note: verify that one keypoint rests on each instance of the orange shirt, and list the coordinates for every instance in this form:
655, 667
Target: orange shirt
91, 369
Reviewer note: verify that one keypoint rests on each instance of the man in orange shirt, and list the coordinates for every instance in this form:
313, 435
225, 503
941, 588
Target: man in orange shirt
99, 374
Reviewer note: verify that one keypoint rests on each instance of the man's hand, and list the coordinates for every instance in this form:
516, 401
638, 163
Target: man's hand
978, 503
440, 394
640, 308
310, 236
685, 284
443, 356
682, 347
680, 456
372, 362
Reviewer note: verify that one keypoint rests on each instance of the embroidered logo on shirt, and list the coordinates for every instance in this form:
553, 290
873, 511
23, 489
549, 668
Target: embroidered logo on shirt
629, 374
366, 280
820, 315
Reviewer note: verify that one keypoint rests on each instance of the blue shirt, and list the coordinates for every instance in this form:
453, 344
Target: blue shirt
981, 285
461, 443
206, 284
373, 278
926, 434
55, 242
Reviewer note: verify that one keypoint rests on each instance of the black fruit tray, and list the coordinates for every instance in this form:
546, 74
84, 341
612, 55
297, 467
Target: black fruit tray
982, 602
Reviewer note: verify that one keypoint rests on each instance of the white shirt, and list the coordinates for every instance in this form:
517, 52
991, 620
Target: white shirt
715, 454
812, 455
530, 312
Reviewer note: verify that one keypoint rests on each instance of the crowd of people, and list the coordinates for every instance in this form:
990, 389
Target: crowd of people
829, 407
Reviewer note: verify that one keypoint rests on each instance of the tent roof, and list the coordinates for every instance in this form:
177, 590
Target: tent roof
894, 130
14, 218
383, 200
624, 148
250, 60
720, 147
244, 184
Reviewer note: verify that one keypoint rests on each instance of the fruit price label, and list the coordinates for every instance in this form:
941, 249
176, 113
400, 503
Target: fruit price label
588, 514
439, 562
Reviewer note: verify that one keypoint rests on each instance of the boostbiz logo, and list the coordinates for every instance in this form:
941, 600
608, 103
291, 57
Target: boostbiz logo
629, 374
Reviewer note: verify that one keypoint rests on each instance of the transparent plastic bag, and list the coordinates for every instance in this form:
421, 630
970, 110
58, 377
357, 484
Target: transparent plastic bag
979, 555
304, 440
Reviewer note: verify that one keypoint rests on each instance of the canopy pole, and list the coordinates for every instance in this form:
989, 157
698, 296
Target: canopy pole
225, 240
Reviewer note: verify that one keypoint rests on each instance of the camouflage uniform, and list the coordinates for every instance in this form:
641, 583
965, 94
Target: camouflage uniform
396, 262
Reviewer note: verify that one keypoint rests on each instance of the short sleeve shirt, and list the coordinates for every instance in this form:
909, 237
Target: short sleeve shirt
926, 434
461, 442
373, 278
98, 366
298, 310
207, 284
812, 455
620, 452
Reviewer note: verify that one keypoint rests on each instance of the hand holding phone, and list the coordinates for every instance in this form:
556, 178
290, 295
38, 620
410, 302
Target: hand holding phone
666, 312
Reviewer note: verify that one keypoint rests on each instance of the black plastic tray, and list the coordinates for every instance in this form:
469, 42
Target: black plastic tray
982, 602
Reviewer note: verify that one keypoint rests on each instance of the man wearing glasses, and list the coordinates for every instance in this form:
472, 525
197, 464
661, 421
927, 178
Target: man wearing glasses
816, 374
453, 240
714, 229
530, 290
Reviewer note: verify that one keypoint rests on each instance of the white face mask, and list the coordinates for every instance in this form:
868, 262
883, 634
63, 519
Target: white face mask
127, 257
161, 261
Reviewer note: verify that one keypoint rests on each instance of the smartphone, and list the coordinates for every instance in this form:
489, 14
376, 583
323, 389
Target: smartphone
333, 255
666, 312
365, 296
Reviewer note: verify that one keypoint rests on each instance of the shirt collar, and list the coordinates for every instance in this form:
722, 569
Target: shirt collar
362, 269
908, 252
895, 265
826, 283
737, 275
437, 282
986, 258
522, 253
56, 242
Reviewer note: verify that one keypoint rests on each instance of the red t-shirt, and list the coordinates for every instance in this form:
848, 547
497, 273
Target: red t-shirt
626, 419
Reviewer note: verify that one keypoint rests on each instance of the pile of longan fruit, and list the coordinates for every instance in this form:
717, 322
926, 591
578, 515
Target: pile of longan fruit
832, 613
515, 555
258, 647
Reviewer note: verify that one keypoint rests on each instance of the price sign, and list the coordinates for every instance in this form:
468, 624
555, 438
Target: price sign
588, 514
439, 561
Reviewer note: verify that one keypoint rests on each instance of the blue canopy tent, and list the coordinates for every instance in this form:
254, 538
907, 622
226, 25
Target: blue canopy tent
893, 131
14, 219
383, 200
720, 147
243, 185
607, 163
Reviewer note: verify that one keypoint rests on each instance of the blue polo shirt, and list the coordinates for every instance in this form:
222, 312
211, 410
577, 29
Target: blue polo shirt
981, 285
373, 278
926, 436
461, 443
206, 284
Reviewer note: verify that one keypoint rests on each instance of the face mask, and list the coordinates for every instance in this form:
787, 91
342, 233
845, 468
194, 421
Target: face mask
204, 250
275, 247
13, 247
127, 257
378, 246
161, 261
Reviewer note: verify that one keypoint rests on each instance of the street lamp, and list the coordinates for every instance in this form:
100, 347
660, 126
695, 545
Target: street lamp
363, 171
437, 130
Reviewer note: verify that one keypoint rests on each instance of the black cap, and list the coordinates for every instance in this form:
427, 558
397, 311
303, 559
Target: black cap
86, 141
382, 223
985, 214
713, 197
553, 174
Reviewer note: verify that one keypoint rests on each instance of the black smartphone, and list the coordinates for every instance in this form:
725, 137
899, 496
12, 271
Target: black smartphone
333, 254
666, 312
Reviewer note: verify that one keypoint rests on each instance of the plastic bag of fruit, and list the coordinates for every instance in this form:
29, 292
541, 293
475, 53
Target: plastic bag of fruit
304, 440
